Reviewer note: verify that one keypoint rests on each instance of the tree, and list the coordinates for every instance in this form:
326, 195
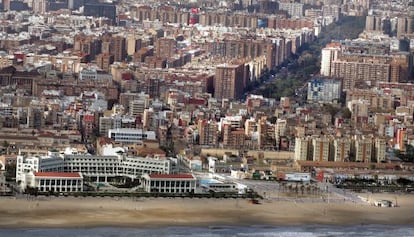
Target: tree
346, 113
6, 144
10, 171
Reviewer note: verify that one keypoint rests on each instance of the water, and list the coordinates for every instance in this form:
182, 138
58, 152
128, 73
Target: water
209, 181
218, 231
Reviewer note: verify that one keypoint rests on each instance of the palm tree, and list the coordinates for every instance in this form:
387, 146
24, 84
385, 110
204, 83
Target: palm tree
308, 189
290, 188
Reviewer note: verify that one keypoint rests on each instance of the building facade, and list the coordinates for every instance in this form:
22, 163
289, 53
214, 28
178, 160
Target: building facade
57, 182
169, 183
130, 135
324, 90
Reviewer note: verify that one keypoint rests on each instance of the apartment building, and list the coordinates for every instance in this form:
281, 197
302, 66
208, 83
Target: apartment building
320, 147
303, 148
363, 149
322, 90
230, 81
342, 149
208, 132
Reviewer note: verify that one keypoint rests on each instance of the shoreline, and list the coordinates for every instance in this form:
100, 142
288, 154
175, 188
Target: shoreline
70, 212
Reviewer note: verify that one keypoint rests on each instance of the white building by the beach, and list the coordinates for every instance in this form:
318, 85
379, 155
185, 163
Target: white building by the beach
56, 181
97, 168
169, 183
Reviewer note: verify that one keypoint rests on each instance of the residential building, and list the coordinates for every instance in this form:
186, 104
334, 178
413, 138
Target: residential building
324, 90
341, 149
130, 135
230, 81
380, 149
303, 148
208, 132
328, 55
363, 149
320, 149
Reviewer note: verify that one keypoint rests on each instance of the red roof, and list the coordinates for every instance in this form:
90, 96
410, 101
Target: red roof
57, 174
171, 176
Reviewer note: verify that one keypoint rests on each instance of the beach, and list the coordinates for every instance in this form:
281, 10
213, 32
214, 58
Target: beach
69, 212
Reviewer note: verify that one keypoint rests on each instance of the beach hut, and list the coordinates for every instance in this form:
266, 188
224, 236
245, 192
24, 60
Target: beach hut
384, 203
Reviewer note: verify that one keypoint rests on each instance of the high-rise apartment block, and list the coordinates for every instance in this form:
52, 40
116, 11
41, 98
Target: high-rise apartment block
303, 147
292, 8
165, 47
365, 63
320, 147
230, 81
87, 44
363, 149
208, 132
322, 90
98, 9
341, 149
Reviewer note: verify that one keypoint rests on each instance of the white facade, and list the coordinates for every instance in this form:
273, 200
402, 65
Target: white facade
302, 145
293, 9
220, 187
93, 74
130, 135
98, 168
234, 121
324, 90
56, 182
328, 55
169, 183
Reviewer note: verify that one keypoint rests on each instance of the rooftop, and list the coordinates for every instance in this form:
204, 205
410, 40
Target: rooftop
57, 174
171, 176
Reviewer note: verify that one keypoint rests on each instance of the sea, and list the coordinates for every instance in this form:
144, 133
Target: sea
218, 231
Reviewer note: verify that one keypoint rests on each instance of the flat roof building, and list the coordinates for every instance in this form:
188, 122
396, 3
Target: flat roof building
169, 183
57, 181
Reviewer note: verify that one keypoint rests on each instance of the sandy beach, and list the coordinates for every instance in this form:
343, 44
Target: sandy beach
94, 212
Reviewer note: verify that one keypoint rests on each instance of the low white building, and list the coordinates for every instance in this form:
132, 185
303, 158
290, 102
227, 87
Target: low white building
56, 182
96, 168
169, 183
130, 135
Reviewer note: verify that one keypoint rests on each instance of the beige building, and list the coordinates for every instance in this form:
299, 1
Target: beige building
341, 149
363, 149
208, 132
380, 149
229, 81
302, 148
133, 44
320, 149
280, 129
